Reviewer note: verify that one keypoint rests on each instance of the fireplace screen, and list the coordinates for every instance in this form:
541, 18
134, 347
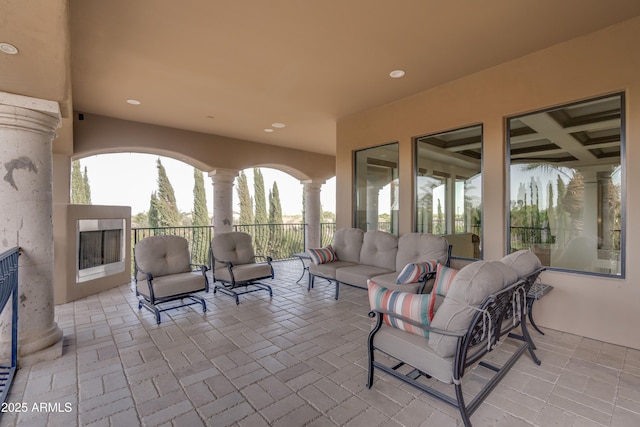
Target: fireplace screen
100, 244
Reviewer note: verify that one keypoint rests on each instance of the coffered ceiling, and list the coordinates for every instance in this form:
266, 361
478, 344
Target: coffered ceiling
234, 68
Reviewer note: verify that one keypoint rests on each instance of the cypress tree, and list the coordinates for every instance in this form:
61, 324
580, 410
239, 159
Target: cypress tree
261, 235
200, 212
86, 187
168, 214
277, 241
259, 198
153, 211
275, 208
246, 203
77, 184
201, 237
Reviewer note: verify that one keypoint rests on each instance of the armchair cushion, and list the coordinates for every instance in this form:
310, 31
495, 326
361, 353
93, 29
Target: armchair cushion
244, 272
523, 262
175, 284
234, 247
322, 255
162, 256
412, 272
468, 290
411, 306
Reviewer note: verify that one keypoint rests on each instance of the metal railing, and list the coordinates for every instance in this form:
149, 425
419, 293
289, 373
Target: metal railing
327, 230
279, 241
9, 289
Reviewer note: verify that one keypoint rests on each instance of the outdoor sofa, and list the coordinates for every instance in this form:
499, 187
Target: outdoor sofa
406, 263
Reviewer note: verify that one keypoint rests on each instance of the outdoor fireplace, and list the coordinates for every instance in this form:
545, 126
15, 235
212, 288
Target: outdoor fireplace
100, 247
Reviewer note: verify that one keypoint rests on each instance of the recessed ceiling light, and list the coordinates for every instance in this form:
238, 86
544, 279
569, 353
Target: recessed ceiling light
278, 125
133, 102
396, 74
8, 48
268, 130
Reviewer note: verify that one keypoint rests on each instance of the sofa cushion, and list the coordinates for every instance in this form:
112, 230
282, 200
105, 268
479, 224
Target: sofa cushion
523, 262
329, 269
469, 288
412, 272
358, 275
322, 255
347, 243
416, 247
379, 249
411, 306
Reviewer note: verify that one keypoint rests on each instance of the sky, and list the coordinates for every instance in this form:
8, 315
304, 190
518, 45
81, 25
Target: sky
128, 179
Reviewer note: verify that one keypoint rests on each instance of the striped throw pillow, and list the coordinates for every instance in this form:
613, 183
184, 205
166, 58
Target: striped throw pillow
444, 277
322, 255
435, 301
412, 272
411, 306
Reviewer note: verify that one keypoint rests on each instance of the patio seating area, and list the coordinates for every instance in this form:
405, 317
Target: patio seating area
297, 359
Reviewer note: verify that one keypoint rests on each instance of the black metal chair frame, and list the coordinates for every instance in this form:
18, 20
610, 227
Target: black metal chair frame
471, 347
522, 303
151, 303
228, 287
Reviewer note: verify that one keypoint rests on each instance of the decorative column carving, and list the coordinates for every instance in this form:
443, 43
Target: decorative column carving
312, 213
27, 129
223, 199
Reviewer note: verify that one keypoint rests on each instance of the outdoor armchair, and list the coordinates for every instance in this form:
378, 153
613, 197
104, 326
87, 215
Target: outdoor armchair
235, 266
164, 273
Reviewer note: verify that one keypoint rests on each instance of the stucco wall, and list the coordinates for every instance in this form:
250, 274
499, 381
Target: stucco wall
603, 62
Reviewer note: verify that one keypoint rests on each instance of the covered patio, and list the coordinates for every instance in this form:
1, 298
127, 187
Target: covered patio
297, 359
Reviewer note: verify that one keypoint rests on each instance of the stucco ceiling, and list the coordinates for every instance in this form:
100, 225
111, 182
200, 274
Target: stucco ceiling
233, 68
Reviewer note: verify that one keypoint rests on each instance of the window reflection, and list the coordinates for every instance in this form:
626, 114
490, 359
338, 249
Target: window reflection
449, 188
566, 185
376, 186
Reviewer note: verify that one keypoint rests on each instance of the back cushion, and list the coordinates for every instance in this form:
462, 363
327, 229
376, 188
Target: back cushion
417, 247
469, 288
379, 249
347, 243
523, 262
162, 255
235, 247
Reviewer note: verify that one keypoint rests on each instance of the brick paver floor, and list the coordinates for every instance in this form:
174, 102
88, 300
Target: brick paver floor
298, 359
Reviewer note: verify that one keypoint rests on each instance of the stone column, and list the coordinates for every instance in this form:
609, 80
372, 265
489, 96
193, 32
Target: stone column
223, 199
312, 213
27, 129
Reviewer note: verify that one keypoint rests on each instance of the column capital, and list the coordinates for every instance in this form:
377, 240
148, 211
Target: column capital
26, 113
223, 175
313, 184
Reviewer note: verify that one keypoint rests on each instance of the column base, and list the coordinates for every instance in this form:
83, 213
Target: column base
50, 353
